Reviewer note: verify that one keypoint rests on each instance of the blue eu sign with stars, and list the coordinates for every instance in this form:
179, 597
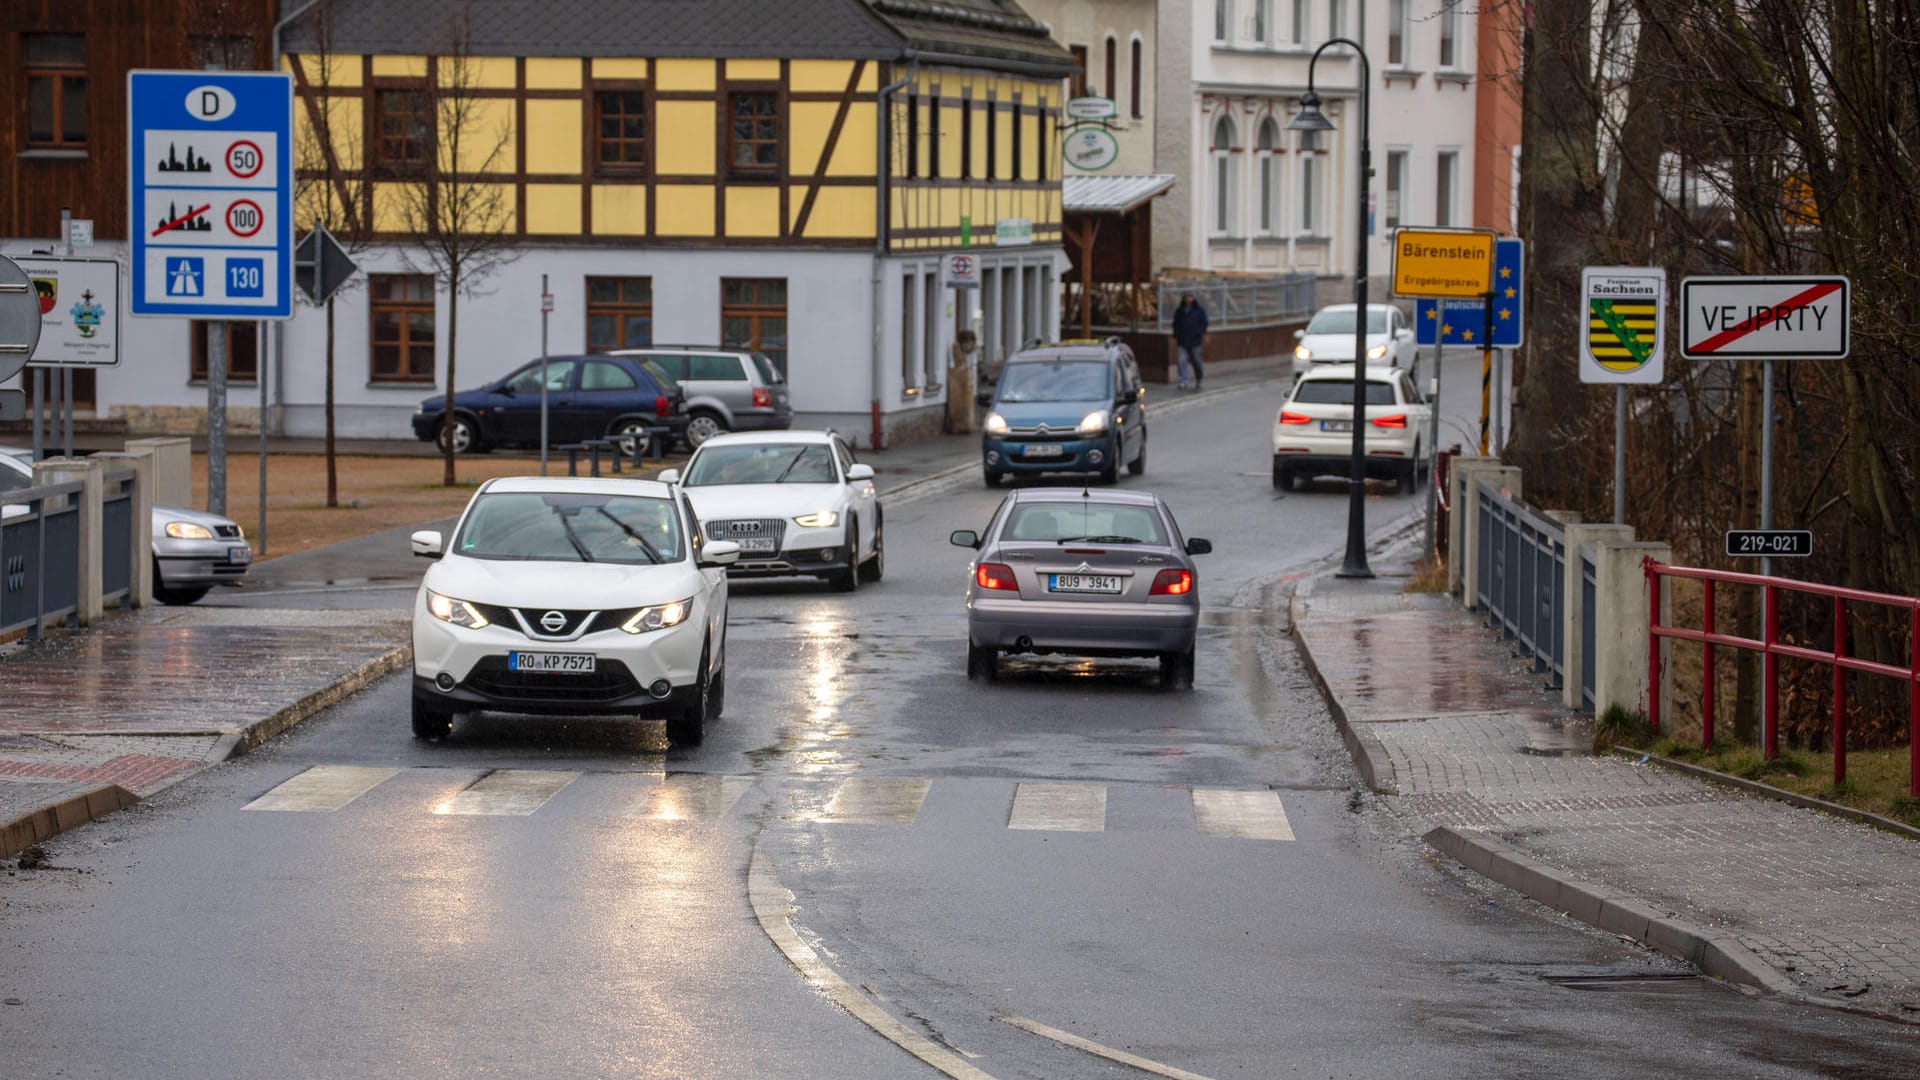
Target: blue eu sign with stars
211, 183
1464, 322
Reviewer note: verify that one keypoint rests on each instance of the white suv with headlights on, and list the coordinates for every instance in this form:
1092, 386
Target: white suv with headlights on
572, 596
1328, 338
795, 501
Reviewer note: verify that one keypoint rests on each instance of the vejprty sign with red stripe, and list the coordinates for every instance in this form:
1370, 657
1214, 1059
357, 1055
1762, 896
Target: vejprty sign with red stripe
1780, 318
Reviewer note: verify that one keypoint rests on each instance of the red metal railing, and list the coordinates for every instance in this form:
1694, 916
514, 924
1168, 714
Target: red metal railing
1772, 649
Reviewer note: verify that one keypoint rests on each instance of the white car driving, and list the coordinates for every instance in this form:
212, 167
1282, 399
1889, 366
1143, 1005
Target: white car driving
1313, 433
795, 501
1328, 337
574, 597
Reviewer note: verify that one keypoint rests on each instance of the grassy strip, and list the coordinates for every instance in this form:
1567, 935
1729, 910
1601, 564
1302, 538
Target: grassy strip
1876, 779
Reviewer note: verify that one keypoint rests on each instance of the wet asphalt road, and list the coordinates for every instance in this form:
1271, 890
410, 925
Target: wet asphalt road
608, 929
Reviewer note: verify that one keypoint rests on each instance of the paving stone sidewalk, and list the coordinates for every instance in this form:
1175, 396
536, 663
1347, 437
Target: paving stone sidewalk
1466, 742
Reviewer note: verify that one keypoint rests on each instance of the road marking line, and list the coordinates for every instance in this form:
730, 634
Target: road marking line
694, 797
773, 908
323, 788
1251, 815
863, 801
508, 792
1094, 1048
1059, 807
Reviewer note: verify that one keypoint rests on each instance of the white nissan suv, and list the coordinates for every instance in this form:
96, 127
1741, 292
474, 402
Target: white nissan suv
573, 597
1313, 434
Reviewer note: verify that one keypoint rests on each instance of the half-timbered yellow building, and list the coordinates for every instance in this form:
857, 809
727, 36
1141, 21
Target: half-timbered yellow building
783, 174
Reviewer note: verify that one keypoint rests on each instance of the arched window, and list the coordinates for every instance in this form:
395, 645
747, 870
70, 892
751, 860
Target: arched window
1113, 71
1133, 84
1223, 184
1312, 182
1269, 174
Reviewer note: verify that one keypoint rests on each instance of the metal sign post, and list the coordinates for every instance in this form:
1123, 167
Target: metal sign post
546, 309
1624, 309
209, 163
1766, 318
1501, 324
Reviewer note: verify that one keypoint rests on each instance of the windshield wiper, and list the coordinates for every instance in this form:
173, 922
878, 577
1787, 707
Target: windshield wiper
1099, 540
790, 465
574, 539
652, 555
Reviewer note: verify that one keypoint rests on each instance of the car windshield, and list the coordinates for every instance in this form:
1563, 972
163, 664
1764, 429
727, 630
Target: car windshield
554, 526
1341, 322
1058, 380
1340, 392
1096, 522
761, 463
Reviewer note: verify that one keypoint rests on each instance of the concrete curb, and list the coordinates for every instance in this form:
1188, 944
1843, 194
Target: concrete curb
1805, 802
55, 818
1368, 753
246, 739
1717, 954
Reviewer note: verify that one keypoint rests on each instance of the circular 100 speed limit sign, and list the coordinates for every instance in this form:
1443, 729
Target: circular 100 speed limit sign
244, 217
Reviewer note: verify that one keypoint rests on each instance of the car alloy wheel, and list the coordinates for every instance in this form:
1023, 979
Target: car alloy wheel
464, 440
703, 426
627, 434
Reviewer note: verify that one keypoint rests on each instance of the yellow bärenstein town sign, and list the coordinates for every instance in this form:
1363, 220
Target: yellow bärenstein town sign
1442, 262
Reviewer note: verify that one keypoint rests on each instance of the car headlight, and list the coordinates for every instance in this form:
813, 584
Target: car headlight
996, 424
457, 612
1377, 351
658, 617
819, 519
187, 530
1301, 352
1093, 423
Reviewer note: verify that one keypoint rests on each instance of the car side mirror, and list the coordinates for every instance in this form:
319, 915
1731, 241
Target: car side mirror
1198, 546
1298, 334
860, 472
719, 553
965, 538
427, 544
669, 476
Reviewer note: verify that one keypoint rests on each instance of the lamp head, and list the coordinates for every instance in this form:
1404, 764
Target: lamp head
1310, 118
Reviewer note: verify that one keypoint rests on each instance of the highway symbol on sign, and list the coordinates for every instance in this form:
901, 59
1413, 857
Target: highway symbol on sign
209, 171
1625, 315
1779, 318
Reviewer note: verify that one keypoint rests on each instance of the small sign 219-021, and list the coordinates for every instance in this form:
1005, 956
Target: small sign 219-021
1769, 542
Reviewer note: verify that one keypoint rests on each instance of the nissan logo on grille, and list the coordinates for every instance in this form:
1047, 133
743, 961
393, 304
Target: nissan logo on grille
553, 622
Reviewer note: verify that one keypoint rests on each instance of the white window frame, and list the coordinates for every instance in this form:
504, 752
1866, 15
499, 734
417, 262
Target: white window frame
1222, 21
1269, 162
1336, 18
1262, 20
1446, 186
1397, 28
1393, 209
1312, 186
1302, 29
1223, 187
1448, 37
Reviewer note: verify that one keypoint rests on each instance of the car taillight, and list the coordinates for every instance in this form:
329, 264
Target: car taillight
1172, 583
991, 575
662, 406
1398, 420
762, 397
1294, 418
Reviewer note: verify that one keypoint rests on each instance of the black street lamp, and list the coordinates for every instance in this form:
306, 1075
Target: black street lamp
1310, 118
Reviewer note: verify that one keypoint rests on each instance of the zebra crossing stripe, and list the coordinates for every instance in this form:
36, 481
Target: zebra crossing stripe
1249, 815
694, 797
1059, 807
876, 802
508, 793
323, 788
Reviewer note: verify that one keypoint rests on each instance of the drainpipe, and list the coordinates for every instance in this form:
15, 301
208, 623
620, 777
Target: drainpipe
883, 169
280, 325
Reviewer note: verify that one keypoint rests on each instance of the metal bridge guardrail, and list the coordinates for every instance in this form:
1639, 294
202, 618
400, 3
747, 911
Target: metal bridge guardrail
1522, 578
1240, 301
116, 537
1589, 627
40, 556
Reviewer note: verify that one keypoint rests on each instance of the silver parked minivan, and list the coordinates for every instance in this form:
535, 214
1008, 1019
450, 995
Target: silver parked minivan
728, 389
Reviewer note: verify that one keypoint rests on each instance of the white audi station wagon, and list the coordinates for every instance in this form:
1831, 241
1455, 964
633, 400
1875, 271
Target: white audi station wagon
572, 597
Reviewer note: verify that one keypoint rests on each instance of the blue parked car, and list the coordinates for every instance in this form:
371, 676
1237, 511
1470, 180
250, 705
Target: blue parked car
1070, 408
588, 397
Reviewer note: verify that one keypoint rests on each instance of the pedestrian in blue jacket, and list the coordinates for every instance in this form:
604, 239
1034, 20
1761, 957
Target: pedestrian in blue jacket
1189, 333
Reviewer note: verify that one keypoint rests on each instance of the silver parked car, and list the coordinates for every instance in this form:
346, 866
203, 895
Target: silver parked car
1065, 571
193, 551
728, 389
